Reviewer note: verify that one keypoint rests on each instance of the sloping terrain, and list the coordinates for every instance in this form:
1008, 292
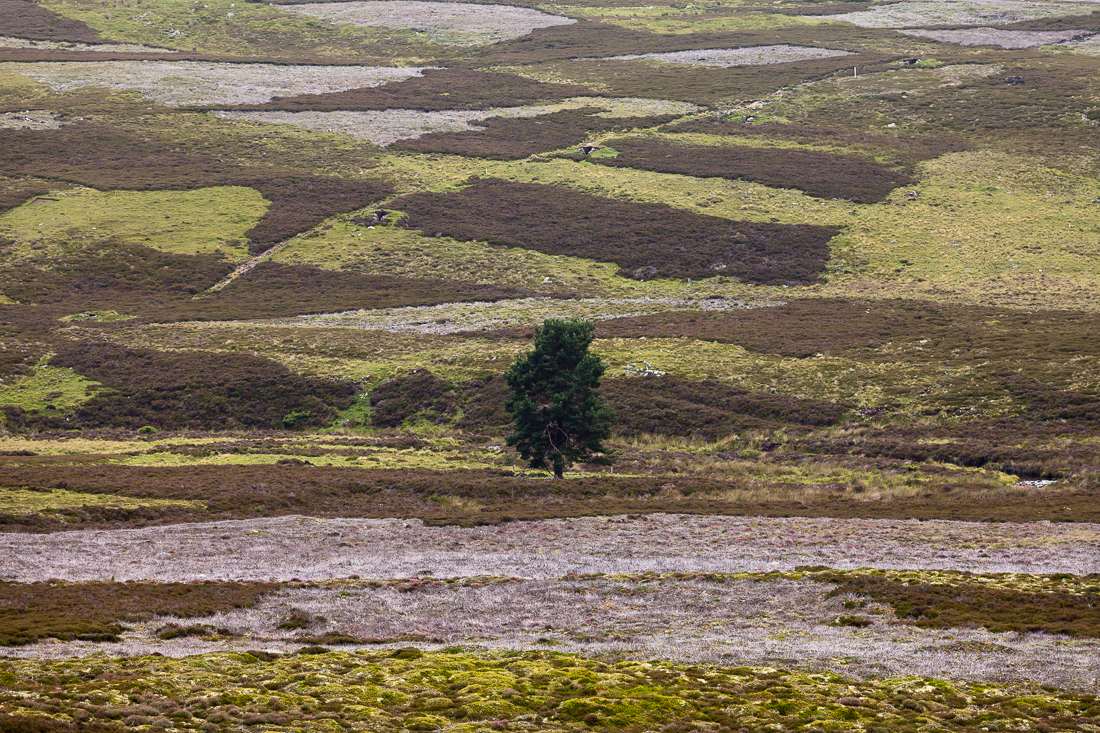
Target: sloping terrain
263, 266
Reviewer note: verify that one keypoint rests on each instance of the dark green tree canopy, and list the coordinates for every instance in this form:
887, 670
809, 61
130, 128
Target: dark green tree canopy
557, 412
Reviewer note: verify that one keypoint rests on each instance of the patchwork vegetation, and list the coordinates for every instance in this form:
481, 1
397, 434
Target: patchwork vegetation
644, 240
265, 264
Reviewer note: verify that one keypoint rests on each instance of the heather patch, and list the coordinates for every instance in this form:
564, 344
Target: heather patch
46, 390
199, 83
997, 37
917, 13
384, 127
751, 56
456, 24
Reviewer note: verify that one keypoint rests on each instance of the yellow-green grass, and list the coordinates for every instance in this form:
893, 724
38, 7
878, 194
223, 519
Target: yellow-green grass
939, 245
407, 458
223, 27
19, 501
667, 20
46, 386
203, 221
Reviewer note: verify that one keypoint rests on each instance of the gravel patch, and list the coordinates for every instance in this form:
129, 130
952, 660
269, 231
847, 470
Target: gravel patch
725, 57
9, 42
309, 548
453, 24
918, 13
200, 83
388, 126
457, 317
780, 623
997, 37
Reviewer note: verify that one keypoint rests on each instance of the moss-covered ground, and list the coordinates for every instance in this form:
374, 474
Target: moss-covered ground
459, 690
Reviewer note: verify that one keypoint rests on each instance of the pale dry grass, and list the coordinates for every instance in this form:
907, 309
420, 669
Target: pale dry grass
383, 127
202, 83
32, 120
454, 24
9, 42
725, 57
299, 547
781, 623
458, 317
997, 37
918, 13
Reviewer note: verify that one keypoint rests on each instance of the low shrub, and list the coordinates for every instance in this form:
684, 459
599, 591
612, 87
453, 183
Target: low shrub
973, 604
511, 138
197, 390
826, 175
417, 395
94, 611
645, 240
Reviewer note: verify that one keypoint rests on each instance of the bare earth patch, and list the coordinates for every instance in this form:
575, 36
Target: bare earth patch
200, 83
453, 24
725, 57
997, 37
918, 13
300, 547
388, 126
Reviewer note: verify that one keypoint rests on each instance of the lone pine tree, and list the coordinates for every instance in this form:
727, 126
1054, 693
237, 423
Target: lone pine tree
558, 415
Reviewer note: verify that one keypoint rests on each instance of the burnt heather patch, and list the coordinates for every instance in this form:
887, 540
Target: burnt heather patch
437, 89
825, 175
95, 611
513, 138
646, 240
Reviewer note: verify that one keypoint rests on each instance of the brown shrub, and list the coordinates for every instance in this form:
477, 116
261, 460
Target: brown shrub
94, 611
25, 19
514, 138
417, 395
24, 724
17, 196
645, 240
437, 89
821, 174
966, 604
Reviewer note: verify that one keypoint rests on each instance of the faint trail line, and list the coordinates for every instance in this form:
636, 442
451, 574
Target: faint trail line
242, 269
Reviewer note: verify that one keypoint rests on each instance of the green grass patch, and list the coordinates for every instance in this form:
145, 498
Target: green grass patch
204, 221
49, 501
48, 390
